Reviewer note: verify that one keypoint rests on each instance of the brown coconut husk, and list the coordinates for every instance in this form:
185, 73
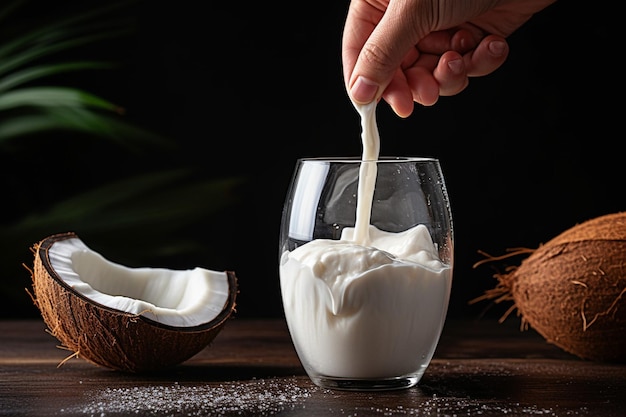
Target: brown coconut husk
110, 338
572, 289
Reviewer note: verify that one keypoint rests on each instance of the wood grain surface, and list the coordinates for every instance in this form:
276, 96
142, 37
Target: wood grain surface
480, 368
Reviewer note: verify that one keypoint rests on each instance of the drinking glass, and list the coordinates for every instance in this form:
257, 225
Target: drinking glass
366, 273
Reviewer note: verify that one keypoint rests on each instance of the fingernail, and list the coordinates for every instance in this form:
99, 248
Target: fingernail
497, 47
456, 66
363, 90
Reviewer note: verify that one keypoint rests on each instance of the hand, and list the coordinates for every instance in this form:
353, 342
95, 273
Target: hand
407, 51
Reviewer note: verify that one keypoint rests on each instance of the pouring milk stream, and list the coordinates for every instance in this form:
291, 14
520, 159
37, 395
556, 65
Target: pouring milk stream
369, 305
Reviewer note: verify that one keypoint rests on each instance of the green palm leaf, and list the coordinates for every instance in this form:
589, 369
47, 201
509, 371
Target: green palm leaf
35, 109
165, 200
76, 119
26, 75
54, 97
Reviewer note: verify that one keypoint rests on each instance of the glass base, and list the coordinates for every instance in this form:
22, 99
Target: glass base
350, 384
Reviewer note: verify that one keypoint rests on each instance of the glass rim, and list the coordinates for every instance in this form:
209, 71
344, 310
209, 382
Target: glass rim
358, 159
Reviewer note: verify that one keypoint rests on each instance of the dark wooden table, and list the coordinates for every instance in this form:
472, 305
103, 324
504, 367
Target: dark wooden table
481, 368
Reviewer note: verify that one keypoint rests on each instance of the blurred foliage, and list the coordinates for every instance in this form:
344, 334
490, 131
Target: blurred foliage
54, 139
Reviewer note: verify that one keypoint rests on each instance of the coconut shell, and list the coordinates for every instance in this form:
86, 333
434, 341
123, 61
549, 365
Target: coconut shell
111, 338
572, 289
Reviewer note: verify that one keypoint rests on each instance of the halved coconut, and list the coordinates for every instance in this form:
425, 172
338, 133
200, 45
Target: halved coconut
128, 319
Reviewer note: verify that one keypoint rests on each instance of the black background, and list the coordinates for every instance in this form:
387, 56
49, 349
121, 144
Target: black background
248, 87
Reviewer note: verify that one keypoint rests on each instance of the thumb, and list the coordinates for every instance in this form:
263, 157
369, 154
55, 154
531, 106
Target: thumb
383, 52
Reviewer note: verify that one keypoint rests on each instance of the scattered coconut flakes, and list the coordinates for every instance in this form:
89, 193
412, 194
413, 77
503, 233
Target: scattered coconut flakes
457, 407
259, 397
266, 397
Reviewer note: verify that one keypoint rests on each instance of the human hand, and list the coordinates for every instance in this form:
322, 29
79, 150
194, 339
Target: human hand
407, 51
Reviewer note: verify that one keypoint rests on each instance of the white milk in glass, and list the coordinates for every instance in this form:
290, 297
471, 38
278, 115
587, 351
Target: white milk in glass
370, 305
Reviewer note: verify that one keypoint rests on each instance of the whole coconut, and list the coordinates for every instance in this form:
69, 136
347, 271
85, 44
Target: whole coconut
572, 289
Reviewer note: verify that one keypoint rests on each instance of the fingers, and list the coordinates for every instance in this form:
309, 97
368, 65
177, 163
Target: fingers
374, 72
408, 71
438, 74
487, 57
399, 96
460, 40
376, 40
413, 85
430, 77
462, 55
451, 74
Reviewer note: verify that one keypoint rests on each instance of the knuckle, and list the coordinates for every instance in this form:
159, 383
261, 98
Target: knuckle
376, 57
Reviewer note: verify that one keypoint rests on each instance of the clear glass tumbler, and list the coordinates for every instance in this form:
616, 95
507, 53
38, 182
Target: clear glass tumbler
366, 254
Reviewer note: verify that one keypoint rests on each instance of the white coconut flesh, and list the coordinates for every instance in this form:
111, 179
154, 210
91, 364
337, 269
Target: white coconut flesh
178, 298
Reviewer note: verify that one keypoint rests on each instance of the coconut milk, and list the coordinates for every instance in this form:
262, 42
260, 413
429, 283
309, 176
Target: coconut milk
372, 304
